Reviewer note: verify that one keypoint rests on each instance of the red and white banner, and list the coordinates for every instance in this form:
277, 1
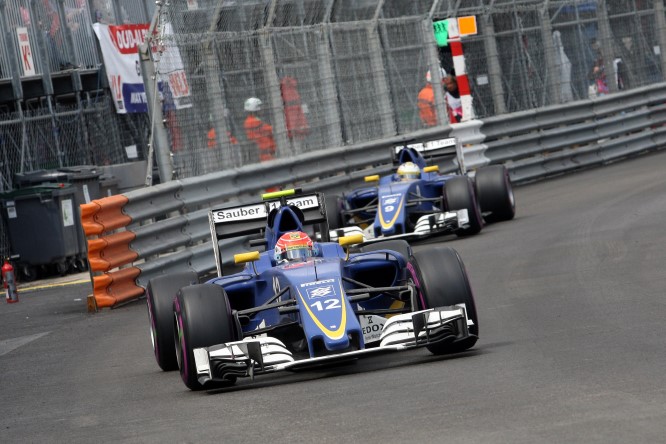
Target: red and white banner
25, 52
119, 46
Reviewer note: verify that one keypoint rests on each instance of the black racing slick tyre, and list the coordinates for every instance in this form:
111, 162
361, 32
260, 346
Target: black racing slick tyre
160, 294
495, 193
459, 194
203, 318
441, 279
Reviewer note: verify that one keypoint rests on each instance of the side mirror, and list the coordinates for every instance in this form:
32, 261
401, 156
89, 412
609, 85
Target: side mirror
350, 240
242, 258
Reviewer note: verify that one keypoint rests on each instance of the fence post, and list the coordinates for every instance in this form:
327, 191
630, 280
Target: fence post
329, 88
11, 49
606, 42
383, 94
494, 67
274, 94
432, 58
160, 140
661, 34
549, 54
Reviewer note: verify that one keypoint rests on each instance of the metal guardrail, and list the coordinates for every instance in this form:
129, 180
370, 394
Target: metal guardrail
539, 143
169, 222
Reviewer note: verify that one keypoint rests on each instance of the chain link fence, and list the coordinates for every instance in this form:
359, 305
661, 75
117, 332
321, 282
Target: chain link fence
338, 72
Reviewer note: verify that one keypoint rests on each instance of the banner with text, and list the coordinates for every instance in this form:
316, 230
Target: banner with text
119, 46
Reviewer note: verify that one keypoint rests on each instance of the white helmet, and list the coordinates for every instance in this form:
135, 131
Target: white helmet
409, 171
442, 74
252, 105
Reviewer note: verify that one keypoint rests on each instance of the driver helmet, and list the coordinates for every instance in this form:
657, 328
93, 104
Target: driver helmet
294, 246
409, 171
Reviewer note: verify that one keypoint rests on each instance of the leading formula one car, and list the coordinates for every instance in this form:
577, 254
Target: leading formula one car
302, 303
418, 201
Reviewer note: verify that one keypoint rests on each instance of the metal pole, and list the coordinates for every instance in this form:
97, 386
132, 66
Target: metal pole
329, 97
552, 79
661, 34
494, 67
432, 58
606, 41
382, 91
274, 95
160, 139
13, 56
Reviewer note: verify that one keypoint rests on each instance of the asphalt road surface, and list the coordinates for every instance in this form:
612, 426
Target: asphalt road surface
571, 298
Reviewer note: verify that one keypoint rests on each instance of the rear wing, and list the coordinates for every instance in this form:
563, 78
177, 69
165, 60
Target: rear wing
433, 149
252, 219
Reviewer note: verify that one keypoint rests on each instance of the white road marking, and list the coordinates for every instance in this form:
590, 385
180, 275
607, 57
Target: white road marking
8, 345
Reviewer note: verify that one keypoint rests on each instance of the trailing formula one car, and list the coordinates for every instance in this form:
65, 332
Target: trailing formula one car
302, 303
418, 201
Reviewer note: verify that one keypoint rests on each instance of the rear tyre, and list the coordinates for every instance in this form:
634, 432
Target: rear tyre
459, 195
160, 294
495, 193
203, 318
441, 279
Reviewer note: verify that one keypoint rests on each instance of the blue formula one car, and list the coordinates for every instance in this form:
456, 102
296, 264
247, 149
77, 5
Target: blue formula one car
418, 201
302, 303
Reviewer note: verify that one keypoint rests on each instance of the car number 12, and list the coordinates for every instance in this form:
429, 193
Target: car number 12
328, 304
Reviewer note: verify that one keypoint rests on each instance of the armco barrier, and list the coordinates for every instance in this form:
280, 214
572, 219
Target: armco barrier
147, 232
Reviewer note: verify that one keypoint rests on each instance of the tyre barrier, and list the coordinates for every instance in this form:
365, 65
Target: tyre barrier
104, 225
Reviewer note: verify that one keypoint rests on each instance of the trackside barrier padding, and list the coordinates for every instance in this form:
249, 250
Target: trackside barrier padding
103, 215
108, 250
116, 287
111, 251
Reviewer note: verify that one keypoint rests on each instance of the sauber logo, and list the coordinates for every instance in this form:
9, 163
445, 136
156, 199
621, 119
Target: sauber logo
258, 211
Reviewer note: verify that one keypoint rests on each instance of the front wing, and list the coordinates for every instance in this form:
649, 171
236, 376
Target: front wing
428, 225
256, 356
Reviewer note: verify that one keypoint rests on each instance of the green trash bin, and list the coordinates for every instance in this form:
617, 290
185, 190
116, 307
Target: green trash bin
43, 227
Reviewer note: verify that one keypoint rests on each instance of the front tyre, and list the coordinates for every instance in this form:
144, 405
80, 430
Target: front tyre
397, 245
441, 279
203, 318
160, 294
459, 195
495, 193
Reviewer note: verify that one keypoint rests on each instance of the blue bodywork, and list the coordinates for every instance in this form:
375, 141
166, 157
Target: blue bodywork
308, 300
394, 206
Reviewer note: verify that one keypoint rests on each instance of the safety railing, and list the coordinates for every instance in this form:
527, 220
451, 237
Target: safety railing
157, 230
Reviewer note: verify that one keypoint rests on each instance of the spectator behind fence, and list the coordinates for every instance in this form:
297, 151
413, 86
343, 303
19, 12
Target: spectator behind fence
598, 81
453, 102
257, 131
426, 100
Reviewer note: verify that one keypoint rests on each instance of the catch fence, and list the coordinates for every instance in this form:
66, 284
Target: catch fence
332, 73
